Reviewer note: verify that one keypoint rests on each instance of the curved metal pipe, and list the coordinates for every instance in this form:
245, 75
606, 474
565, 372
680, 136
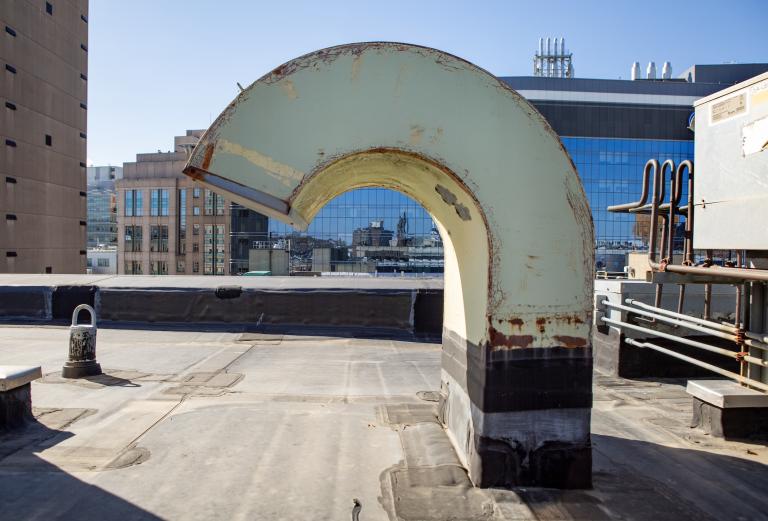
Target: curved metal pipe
654, 230
675, 194
651, 164
688, 259
711, 271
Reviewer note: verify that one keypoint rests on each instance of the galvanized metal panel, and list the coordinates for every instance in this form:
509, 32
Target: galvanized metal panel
731, 177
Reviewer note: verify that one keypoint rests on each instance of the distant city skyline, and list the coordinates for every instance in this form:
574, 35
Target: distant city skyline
156, 67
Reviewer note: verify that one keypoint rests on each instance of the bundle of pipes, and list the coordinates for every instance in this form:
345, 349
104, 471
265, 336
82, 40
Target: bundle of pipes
658, 209
667, 211
708, 327
738, 274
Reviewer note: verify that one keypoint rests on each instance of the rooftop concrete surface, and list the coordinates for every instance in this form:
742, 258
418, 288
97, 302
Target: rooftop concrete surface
225, 425
203, 282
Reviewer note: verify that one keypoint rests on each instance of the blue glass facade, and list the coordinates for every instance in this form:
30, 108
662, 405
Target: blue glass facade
611, 128
357, 209
380, 230
610, 169
612, 172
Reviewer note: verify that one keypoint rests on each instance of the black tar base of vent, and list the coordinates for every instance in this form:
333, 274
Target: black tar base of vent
526, 379
553, 381
552, 465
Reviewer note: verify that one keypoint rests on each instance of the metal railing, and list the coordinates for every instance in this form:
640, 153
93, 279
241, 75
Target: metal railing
708, 327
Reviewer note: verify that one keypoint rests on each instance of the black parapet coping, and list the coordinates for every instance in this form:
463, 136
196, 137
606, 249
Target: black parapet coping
506, 464
25, 302
375, 308
66, 298
418, 311
428, 313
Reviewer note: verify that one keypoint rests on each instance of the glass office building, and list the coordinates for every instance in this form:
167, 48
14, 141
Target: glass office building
611, 171
609, 127
370, 230
102, 206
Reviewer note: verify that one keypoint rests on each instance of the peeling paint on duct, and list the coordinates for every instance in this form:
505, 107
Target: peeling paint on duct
451, 199
357, 62
417, 133
571, 341
499, 340
287, 175
289, 89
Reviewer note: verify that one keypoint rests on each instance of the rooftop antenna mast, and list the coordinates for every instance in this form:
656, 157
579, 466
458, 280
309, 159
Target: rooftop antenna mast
552, 61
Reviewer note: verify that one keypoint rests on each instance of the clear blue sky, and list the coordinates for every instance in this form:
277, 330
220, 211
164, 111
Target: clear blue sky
158, 67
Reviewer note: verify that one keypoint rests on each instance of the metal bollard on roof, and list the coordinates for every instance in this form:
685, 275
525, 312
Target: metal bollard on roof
82, 347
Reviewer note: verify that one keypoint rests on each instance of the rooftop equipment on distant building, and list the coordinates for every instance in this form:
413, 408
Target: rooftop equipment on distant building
552, 61
650, 71
666, 71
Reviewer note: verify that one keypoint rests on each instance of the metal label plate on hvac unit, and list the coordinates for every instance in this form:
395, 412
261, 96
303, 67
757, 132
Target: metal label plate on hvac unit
728, 108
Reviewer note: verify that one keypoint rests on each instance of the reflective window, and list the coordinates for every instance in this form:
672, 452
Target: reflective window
158, 238
138, 209
154, 202
158, 204
128, 206
369, 230
133, 238
182, 214
612, 172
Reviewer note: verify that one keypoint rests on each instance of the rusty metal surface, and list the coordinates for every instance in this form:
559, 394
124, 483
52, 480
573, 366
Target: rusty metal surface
475, 154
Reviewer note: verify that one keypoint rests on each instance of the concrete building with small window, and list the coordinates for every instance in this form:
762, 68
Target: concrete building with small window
43, 108
170, 225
